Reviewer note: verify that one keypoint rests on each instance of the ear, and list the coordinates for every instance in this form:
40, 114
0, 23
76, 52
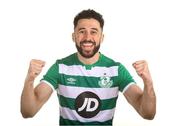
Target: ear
73, 37
102, 38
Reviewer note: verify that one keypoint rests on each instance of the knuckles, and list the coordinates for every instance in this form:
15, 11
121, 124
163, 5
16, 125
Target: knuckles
35, 62
35, 67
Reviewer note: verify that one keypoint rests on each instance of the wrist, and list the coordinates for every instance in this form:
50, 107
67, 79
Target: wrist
29, 79
148, 82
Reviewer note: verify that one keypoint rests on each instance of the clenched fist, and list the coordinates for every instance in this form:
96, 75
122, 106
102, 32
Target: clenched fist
35, 68
142, 70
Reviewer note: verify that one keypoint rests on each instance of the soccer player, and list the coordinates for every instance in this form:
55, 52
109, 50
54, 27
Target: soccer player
87, 82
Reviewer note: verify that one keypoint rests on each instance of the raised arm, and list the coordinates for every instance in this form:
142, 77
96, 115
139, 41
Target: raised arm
32, 99
143, 101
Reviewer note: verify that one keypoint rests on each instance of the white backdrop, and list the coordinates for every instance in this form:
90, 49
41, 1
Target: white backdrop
134, 30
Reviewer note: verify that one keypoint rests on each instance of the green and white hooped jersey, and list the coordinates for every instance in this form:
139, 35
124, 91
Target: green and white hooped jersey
87, 93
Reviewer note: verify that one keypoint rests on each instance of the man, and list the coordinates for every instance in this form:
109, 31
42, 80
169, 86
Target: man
87, 82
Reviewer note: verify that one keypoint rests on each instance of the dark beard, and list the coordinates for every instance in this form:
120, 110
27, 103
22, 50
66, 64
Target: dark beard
94, 51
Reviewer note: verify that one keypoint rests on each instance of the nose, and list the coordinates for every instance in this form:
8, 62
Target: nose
88, 37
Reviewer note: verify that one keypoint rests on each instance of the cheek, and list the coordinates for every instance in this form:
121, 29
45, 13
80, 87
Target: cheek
98, 40
77, 41
78, 37
101, 40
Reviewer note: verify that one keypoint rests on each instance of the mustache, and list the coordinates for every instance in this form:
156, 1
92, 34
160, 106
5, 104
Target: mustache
87, 41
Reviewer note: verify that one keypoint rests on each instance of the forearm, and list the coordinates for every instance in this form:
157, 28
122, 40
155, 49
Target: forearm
148, 101
32, 98
28, 99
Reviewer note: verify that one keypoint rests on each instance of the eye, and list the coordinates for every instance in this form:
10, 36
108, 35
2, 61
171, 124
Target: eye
93, 32
81, 31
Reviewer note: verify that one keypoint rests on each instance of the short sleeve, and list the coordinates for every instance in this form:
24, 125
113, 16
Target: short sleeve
51, 77
125, 79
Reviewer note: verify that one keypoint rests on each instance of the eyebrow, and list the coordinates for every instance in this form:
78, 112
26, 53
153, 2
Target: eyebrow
81, 29
95, 29
91, 28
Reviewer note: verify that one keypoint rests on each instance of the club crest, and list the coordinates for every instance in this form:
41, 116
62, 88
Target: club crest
105, 81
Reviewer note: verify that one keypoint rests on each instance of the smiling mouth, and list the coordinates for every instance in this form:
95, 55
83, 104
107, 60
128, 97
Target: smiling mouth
87, 45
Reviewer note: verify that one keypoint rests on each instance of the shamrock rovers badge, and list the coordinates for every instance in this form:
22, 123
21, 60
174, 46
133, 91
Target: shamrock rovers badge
105, 81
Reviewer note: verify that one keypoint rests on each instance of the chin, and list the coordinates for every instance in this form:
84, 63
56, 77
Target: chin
88, 55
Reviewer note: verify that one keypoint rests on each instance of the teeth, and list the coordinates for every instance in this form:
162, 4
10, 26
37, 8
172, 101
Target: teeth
88, 44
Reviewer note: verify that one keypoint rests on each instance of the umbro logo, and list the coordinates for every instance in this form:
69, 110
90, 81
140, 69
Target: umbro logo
71, 80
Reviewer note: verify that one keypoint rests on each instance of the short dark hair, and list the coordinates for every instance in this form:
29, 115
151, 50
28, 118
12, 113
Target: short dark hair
87, 14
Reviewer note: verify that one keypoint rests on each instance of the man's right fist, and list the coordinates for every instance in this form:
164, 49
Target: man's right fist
35, 68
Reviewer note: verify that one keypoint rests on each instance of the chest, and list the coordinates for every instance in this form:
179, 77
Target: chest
96, 77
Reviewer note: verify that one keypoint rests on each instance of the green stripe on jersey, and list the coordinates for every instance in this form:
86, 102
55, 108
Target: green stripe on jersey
67, 122
79, 81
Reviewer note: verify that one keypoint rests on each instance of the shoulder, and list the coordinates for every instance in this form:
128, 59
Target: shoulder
109, 61
67, 60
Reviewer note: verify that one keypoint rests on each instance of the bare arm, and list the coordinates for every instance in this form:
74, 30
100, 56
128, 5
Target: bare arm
32, 99
143, 101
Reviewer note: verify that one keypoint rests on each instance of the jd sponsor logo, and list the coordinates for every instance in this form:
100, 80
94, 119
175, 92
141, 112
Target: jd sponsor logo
87, 104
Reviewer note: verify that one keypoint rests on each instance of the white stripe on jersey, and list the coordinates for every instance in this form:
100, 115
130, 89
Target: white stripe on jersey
79, 70
73, 92
102, 116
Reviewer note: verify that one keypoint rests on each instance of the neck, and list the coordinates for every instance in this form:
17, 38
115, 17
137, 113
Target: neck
89, 61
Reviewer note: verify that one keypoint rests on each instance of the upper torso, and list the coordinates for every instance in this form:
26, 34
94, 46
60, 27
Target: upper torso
87, 93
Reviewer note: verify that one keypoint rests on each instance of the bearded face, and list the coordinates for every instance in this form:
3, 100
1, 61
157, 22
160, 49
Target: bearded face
87, 37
